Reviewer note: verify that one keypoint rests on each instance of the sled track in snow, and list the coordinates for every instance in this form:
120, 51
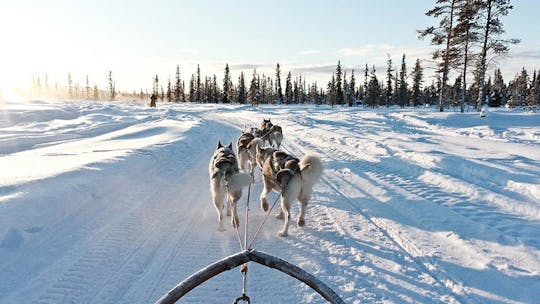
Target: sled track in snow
443, 280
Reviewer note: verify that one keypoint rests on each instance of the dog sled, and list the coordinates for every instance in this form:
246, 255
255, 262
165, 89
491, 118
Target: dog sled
240, 259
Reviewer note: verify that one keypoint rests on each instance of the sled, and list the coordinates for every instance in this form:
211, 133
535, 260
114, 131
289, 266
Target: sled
242, 258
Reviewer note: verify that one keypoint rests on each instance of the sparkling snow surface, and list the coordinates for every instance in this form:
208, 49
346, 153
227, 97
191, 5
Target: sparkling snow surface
109, 203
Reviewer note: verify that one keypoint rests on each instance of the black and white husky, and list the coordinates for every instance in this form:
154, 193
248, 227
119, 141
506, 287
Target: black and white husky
226, 182
291, 176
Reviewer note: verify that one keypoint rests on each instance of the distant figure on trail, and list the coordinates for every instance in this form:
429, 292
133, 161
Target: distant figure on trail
153, 100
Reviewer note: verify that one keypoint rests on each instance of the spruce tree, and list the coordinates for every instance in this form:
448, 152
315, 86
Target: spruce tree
70, 85
112, 89
177, 85
416, 75
169, 90
278, 84
288, 89
373, 90
241, 88
339, 89
192, 89
351, 92
366, 77
254, 93
389, 76
403, 90
227, 85
198, 86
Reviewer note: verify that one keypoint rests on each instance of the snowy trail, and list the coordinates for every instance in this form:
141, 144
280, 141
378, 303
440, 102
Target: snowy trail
414, 206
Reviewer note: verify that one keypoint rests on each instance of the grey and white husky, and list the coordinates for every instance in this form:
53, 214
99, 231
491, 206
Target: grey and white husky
291, 176
271, 133
245, 158
226, 182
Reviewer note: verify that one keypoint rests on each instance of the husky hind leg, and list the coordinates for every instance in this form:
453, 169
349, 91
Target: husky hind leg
289, 194
218, 195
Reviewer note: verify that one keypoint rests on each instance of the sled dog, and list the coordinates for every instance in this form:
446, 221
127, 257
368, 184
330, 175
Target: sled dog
226, 182
291, 176
247, 162
271, 133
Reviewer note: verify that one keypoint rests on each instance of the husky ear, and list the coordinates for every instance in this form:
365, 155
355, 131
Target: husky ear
219, 145
230, 145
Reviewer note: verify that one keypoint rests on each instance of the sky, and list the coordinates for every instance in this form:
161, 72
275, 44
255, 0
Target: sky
137, 40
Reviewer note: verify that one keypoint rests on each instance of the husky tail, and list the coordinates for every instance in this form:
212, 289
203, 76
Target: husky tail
311, 168
238, 181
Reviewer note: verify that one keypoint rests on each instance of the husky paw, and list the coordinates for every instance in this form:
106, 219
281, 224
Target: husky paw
280, 216
264, 206
301, 222
228, 213
221, 229
282, 233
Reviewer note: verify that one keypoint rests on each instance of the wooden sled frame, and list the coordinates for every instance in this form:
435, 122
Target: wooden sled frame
243, 257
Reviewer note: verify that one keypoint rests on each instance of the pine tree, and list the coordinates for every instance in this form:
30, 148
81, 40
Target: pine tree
254, 93
288, 89
491, 12
112, 89
403, 90
373, 90
169, 90
465, 35
366, 77
389, 76
96, 93
442, 35
278, 84
241, 89
339, 90
227, 85
192, 89
198, 87
177, 84
70, 86
155, 86
351, 92
215, 91
86, 88
416, 75
499, 95
331, 90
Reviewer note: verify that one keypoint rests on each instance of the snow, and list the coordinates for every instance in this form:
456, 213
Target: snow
108, 202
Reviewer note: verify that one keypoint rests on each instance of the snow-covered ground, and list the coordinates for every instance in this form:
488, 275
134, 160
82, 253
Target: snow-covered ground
109, 203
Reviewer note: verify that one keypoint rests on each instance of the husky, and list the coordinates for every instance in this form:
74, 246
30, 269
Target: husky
271, 133
291, 176
247, 162
226, 181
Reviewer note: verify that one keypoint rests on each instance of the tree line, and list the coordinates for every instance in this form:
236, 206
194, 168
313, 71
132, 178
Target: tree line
399, 87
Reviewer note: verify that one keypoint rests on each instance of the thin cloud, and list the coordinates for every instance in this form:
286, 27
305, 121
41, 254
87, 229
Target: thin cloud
246, 66
309, 52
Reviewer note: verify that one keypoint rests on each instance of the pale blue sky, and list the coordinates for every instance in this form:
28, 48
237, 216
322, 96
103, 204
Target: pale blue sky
139, 39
